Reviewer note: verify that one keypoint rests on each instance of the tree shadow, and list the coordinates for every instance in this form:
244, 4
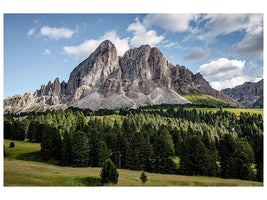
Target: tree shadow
91, 181
32, 156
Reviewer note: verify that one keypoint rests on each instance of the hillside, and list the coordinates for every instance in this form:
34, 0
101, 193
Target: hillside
21, 169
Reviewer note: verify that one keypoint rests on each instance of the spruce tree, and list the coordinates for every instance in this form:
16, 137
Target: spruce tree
80, 149
17, 131
51, 144
143, 177
109, 173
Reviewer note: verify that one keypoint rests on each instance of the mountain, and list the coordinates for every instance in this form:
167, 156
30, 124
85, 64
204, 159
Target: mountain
142, 76
249, 94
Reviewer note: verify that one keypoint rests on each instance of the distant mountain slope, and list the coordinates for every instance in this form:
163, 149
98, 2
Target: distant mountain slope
249, 94
143, 76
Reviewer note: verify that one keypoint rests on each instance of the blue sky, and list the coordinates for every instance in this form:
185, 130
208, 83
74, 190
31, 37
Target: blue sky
226, 48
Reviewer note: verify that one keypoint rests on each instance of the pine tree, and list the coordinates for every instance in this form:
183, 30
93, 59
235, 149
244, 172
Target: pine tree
227, 150
143, 177
51, 143
80, 149
17, 131
31, 134
194, 158
7, 130
109, 173
67, 149
163, 149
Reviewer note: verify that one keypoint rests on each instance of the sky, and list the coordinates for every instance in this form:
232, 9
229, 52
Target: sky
227, 49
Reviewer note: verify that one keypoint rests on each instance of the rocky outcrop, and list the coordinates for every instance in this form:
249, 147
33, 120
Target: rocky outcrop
104, 80
100, 71
250, 94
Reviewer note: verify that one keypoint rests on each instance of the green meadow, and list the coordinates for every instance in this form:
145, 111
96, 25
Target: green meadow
23, 167
237, 111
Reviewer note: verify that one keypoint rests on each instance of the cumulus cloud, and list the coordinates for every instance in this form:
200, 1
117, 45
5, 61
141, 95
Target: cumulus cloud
88, 46
56, 33
172, 22
142, 35
222, 68
31, 31
252, 44
47, 52
230, 83
196, 54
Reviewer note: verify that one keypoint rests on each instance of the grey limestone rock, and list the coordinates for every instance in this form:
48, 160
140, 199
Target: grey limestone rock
250, 94
141, 76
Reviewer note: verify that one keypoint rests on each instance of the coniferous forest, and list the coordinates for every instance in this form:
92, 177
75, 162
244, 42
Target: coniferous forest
161, 139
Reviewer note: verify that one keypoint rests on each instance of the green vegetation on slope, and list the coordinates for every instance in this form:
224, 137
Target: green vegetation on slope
236, 111
197, 97
30, 173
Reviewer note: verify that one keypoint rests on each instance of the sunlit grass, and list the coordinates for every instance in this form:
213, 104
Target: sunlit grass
19, 170
237, 111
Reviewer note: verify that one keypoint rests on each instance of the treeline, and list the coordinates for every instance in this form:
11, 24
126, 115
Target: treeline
182, 142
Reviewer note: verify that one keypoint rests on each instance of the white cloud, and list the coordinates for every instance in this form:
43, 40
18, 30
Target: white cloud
257, 79
122, 45
172, 22
56, 33
222, 68
47, 52
230, 83
252, 44
220, 24
196, 54
88, 46
142, 36
31, 31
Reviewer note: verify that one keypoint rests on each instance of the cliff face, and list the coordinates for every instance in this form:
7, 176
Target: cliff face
104, 80
250, 94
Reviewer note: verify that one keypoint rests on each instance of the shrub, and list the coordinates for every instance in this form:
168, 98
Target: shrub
143, 177
109, 173
12, 145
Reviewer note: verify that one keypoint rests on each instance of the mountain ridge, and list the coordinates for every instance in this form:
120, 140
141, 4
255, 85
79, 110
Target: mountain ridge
141, 76
249, 94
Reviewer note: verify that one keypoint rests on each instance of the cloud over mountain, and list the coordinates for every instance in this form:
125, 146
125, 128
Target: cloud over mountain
141, 35
84, 49
222, 68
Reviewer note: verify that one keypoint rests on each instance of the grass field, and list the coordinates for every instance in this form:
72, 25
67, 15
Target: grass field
237, 111
23, 167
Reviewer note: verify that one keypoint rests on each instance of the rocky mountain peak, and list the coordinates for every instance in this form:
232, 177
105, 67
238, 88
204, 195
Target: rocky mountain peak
103, 80
90, 75
250, 94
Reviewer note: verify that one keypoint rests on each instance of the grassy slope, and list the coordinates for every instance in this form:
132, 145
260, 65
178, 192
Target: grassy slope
237, 111
20, 169
198, 97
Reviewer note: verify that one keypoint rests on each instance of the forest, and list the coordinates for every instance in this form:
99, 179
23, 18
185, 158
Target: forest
168, 139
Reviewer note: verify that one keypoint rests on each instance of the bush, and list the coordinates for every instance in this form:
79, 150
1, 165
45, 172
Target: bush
109, 173
12, 145
143, 177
